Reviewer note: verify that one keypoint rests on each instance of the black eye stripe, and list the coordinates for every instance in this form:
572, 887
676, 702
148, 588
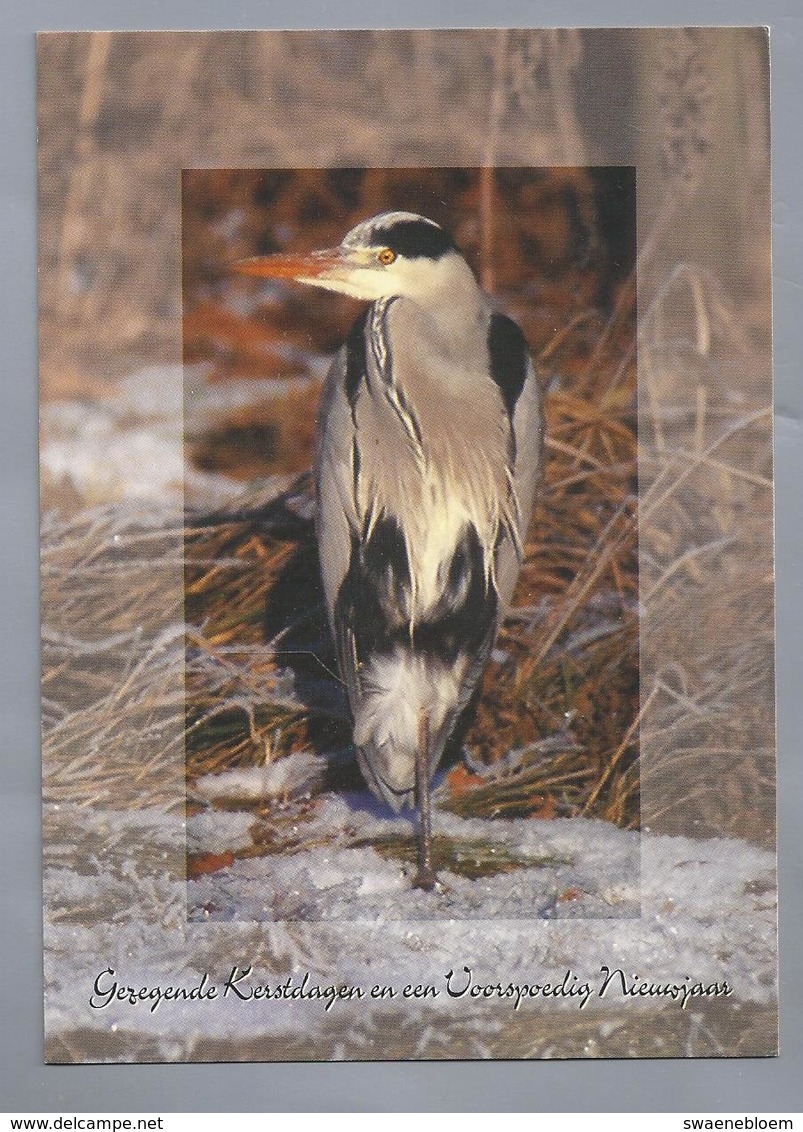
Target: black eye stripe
414, 239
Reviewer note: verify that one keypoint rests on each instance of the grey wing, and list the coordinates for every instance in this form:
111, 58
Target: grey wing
336, 518
528, 431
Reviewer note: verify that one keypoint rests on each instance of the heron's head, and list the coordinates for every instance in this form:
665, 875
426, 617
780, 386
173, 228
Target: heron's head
394, 254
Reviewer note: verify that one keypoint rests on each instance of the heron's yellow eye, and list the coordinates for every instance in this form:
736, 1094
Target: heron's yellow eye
386, 256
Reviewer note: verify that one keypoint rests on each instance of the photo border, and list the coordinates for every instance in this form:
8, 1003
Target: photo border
752, 1085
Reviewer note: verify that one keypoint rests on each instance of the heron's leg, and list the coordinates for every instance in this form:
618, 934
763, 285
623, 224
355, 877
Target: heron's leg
425, 877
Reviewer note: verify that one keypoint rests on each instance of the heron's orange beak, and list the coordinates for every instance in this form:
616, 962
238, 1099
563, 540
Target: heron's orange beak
293, 265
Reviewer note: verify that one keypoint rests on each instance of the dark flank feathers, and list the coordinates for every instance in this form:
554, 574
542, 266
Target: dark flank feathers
414, 238
375, 599
507, 348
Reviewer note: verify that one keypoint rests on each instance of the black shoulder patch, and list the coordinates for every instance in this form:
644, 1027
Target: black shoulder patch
355, 358
415, 238
509, 357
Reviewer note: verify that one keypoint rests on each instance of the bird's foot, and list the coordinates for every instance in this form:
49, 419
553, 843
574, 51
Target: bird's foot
426, 878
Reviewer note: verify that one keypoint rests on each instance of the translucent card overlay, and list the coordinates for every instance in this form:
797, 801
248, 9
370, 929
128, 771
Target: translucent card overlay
553, 732
218, 885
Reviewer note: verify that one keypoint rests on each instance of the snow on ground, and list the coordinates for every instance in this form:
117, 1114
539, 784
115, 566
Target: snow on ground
582, 894
115, 898
339, 877
292, 775
130, 444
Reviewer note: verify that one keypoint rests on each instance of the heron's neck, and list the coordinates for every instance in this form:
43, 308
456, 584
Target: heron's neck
459, 319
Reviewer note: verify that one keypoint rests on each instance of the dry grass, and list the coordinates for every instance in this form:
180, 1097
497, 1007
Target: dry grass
569, 681
253, 611
563, 691
634, 678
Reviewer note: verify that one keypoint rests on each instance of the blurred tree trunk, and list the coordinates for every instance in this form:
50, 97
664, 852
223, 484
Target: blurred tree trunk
703, 88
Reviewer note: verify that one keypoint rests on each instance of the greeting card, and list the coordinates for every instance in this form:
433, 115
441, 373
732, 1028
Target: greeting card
407, 545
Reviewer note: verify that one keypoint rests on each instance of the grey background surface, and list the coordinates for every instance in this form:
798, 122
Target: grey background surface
26, 1085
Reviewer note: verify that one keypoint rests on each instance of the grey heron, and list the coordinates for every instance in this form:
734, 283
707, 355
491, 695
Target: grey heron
429, 456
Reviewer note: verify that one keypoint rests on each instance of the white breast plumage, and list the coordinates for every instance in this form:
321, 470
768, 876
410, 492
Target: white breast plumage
417, 468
